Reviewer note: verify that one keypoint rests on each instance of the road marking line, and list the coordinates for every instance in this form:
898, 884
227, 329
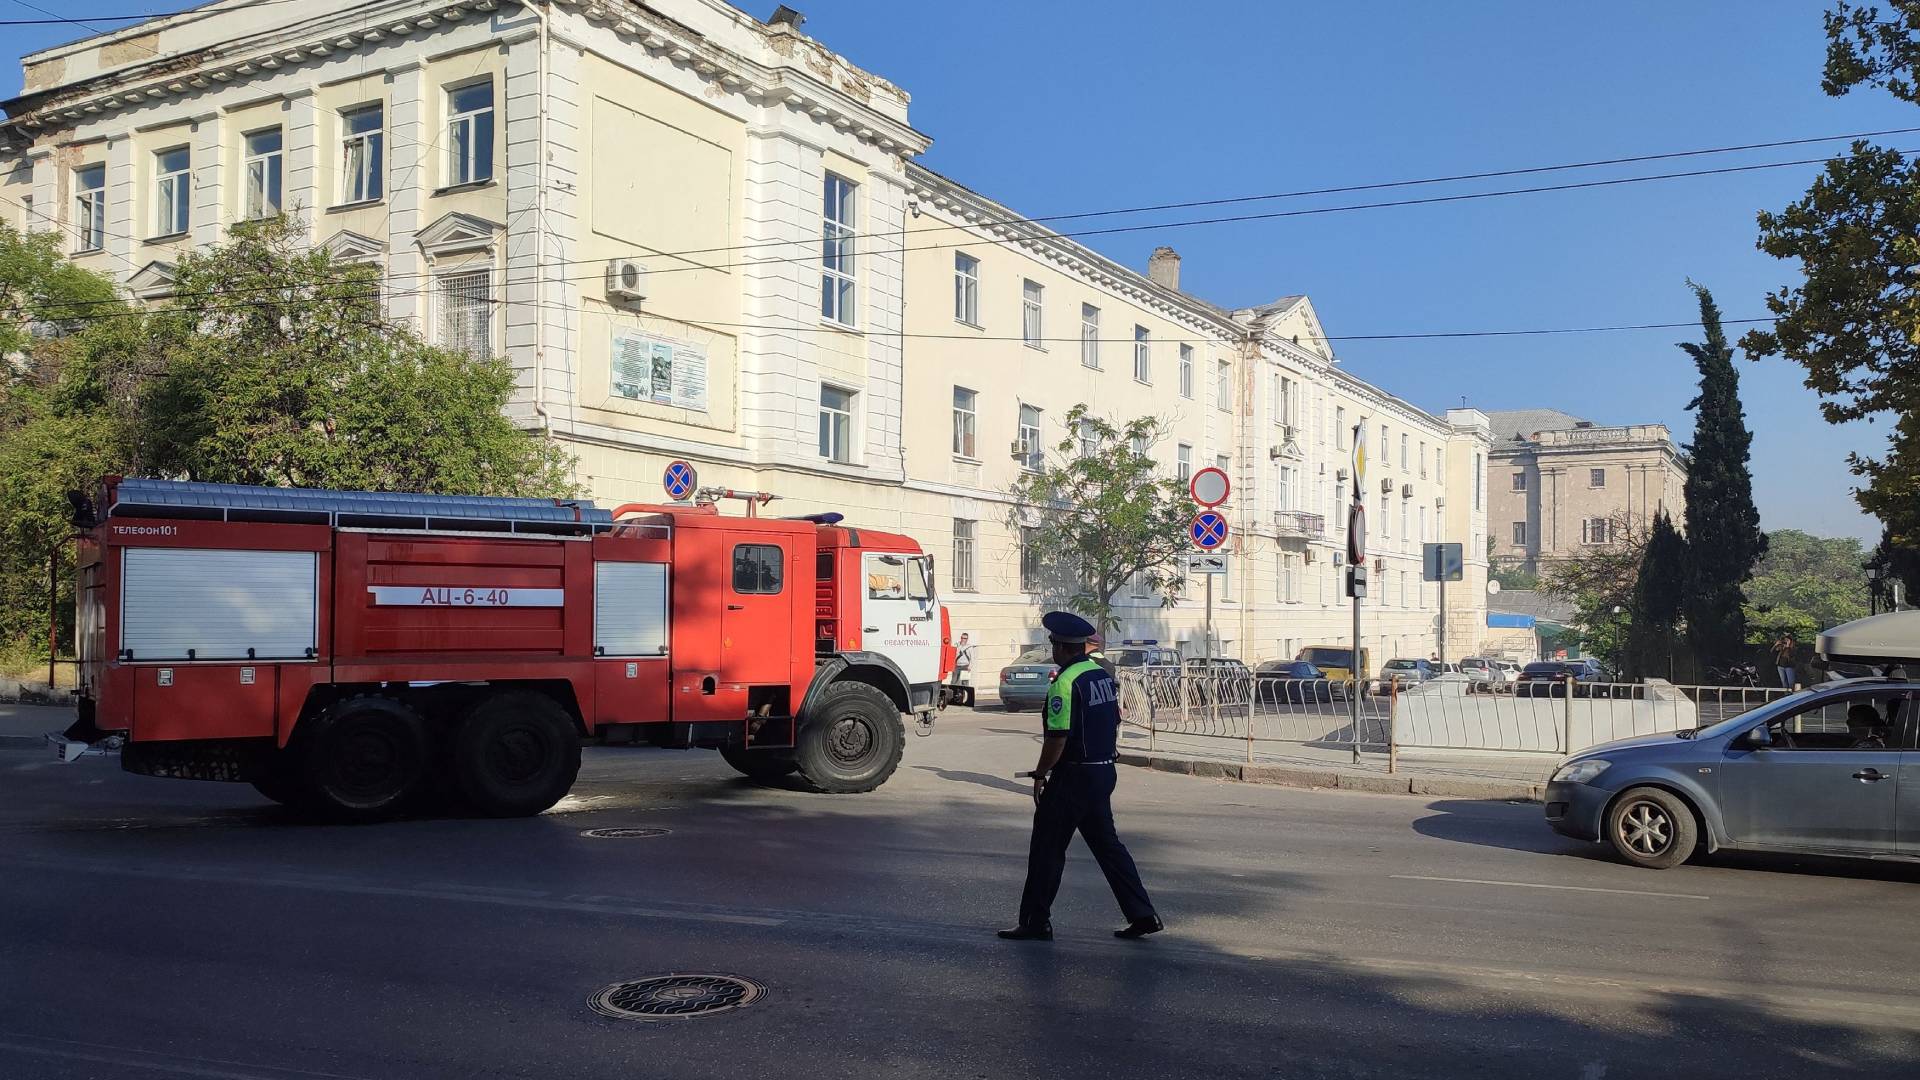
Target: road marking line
1537, 885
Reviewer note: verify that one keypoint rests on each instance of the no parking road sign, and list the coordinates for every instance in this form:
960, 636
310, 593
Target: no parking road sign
679, 479
1209, 530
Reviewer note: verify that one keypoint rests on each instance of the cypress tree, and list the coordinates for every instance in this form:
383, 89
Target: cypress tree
1723, 526
1654, 612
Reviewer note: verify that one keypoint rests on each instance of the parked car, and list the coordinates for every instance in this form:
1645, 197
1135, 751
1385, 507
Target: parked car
1483, 675
1218, 680
1404, 671
1548, 678
1024, 683
1336, 661
1291, 682
1143, 655
1509, 668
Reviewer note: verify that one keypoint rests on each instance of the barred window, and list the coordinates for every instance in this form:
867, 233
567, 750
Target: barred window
963, 555
466, 311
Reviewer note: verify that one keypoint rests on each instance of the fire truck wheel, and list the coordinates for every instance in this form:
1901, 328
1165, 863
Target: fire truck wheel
851, 740
516, 754
281, 784
364, 759
759, 765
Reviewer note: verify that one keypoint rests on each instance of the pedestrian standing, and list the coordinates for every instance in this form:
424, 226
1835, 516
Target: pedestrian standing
1073, 788
1783, 647
963, 667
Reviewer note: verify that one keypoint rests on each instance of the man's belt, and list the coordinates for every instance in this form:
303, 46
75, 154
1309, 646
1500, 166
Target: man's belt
1108, 761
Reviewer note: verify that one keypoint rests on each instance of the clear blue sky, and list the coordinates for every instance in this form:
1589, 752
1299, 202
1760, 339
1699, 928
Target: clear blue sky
1058, 107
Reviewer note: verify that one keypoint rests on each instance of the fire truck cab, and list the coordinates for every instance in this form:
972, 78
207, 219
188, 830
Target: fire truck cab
355, 653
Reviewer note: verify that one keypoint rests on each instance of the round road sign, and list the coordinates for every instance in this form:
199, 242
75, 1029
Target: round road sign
679, 479
1209, 486
1209, 529
1357, 533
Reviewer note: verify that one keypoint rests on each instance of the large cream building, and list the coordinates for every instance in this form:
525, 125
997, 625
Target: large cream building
699, 235
1563, 486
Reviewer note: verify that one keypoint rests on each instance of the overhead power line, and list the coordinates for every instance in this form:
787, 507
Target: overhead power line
86, 23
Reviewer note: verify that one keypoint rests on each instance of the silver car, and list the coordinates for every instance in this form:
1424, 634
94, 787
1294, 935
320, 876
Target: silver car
1819, 772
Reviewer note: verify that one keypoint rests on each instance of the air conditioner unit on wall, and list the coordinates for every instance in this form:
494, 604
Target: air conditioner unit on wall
1406, 491
1386, 485
626, 280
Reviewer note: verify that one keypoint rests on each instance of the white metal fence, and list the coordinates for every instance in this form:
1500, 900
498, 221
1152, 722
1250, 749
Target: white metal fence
1450, 713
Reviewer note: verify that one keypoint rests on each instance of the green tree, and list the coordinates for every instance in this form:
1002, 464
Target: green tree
1100, 513
1653, 613
1599, 583
1806, 584
1854, 321
41, 294
1723, 526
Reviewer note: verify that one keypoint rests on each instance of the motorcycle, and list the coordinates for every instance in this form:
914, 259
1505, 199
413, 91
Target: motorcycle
1734, 675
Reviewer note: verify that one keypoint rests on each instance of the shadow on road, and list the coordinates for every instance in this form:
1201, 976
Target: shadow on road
982, 779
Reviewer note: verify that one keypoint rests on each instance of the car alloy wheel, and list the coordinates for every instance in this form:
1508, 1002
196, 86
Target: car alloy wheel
1646, 829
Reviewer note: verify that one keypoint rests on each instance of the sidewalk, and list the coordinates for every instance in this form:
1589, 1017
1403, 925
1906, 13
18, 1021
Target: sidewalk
1461, 774
25, 725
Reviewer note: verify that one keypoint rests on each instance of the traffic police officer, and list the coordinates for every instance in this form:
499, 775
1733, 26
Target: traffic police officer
1073, 788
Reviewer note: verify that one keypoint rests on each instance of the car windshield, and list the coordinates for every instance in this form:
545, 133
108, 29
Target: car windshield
1401, 665
1327, 657
1036, 656
1128, 657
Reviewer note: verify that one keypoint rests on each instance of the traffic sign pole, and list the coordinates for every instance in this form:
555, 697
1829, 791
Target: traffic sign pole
1357, 556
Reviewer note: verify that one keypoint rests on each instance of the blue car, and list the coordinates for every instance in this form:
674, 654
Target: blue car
1024, 683
1816, 772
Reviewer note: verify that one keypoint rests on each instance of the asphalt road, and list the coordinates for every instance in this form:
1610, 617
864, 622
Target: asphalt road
155, 928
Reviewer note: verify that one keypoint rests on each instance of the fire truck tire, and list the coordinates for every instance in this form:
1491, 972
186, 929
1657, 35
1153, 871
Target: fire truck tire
364, 759
851, 740
759, 765
282, 785
516, 754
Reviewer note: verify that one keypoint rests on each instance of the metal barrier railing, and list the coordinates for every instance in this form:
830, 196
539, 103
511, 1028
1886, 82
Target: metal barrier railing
1450, 713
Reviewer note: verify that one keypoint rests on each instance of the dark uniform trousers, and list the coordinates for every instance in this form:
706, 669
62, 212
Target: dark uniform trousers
1078, 797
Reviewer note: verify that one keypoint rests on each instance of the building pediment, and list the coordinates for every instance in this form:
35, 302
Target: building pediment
351, 247
153, 281
456, 233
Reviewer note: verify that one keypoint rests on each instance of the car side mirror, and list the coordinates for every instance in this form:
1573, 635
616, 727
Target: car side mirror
1757, 739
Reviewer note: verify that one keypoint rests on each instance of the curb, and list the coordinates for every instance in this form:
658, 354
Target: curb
1378, 783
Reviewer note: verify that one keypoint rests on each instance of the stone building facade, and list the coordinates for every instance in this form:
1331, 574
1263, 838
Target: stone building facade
699, 235
1562, 485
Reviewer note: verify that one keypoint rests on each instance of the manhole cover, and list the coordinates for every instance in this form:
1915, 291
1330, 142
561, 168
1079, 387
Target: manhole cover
622, 834
676, 997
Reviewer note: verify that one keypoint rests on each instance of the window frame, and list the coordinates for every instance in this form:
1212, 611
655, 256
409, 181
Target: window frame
1089, 337
1223, 385
966, 424
363, 177
89, 209
1519, 480
1597, 478
964, 575
839, 270
266, 201
779, 566
1186, 371
1183, 462
966, 289
1035, 450
836, 433
1033, 300
1519, 533
1029, 560
444, 289
465, 165
172, 190
1142, 355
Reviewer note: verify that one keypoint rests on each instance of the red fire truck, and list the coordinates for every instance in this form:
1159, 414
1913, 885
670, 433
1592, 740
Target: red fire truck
353, 652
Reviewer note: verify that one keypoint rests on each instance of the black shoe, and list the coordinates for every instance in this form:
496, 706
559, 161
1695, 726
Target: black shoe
1028, 933
1140, 928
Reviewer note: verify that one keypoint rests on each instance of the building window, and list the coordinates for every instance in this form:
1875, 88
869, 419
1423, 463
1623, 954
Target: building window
1031, 454
1090, 336
966, 288
1284, 494
963, 555
1140, 445
1478, 469
1224, 464
1405, 462
1289, 580
1029, 560
1339, 427
1519, 481
756, 568
1089, 439
965, 423
1142, 355
470, 134
1032, 310
1406, 534
836, 423
172, 191
1284, 413
1223, 385
1183, 463
1597, 478
1186, 372
1596, 531
1519, 534
836, 257
1423, 524
1386, 525
1423, 461
466, 311
89, 207
362, 154
262, 171
1406, 594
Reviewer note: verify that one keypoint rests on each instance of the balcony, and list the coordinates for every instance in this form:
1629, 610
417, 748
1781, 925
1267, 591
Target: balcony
1299, 524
